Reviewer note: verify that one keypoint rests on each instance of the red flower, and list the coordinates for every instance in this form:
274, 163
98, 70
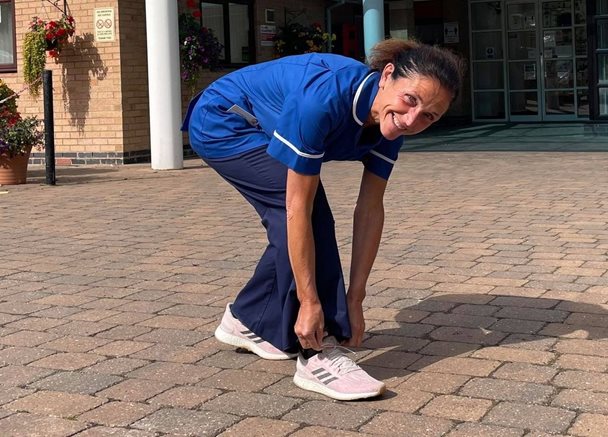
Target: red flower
191, 4
197, 14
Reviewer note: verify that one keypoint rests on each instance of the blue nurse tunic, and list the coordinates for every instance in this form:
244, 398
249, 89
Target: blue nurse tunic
295, 112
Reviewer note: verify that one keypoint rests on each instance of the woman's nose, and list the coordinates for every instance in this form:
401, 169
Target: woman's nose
411, 116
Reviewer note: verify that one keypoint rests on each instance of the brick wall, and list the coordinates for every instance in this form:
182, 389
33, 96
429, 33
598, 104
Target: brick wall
87, 86
134, 79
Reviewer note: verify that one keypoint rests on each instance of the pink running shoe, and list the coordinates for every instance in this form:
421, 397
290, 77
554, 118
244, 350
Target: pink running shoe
333, 374
232, 331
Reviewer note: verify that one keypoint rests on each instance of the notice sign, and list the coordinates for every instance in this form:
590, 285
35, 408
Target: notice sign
267, 34
450, 33
103, 20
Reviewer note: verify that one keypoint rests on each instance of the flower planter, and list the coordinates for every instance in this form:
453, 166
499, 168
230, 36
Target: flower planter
13, 170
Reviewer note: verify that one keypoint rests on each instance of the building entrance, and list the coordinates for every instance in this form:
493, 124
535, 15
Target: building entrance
529, 60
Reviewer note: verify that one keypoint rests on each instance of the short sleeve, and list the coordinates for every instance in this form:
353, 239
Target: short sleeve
381, 159
309, 113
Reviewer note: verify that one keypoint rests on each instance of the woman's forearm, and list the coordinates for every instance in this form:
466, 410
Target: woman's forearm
367, 232
301, 190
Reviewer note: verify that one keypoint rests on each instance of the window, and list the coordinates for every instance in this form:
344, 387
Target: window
599, 82
8, 49
232, 24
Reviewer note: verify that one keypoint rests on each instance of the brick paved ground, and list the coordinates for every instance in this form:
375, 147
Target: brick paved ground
487, 310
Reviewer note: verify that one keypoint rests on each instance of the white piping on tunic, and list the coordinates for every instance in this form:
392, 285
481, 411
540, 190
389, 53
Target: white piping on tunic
379, 155
356, 99
295, 149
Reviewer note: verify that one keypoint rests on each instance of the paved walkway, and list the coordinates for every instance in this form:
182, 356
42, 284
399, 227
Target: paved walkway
487, 310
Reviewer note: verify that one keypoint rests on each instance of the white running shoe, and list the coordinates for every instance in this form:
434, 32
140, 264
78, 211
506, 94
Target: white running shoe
231, 331
333, 374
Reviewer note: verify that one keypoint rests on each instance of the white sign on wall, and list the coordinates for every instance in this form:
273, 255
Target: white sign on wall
103, 21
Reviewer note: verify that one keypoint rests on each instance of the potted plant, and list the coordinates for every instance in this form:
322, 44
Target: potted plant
295, 39
44, 36
18, 135
199, 50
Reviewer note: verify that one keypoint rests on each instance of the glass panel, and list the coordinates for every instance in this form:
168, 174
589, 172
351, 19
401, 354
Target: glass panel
487, 45
522, 45
602, 34
582, 100
580, 41
485, 16
557, 14
521, 16
602, 7
523, 75
603, 94
580, 11
524, 103
582, 72
489, 105
213, 18
557, 43
559, 102
558, 74
488, 75
602, 69
7, 34
239, 32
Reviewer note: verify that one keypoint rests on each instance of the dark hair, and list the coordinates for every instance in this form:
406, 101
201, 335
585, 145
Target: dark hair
413, 58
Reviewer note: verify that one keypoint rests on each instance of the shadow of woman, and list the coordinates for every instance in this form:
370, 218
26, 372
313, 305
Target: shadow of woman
471, 342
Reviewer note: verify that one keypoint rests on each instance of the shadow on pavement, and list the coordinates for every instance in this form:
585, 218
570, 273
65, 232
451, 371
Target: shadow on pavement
479, 326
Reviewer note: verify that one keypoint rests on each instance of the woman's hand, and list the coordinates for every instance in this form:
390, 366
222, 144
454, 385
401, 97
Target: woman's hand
357, 323
310, 325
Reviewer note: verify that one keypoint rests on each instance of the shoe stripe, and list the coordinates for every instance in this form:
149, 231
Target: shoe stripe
325, 375
251, 336
327, 381
317, 371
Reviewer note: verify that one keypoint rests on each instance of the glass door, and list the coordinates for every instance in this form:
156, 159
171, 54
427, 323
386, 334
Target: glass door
558, 60
487, 61
523, 63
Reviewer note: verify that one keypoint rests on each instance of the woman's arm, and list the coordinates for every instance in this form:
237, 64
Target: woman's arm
300, 195
367, 231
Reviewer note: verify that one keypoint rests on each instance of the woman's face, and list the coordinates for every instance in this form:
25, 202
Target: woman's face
407, 106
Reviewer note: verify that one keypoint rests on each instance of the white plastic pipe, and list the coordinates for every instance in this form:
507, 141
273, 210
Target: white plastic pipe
164, 84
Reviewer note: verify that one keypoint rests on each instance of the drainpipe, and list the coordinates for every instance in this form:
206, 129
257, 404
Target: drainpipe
164, 87
373, 23
328, 21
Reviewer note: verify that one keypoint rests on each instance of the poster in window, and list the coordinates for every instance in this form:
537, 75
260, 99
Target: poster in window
530, 72
515, 22
267, 34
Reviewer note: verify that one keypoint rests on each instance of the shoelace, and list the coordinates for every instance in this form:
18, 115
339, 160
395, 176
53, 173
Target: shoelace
338, 359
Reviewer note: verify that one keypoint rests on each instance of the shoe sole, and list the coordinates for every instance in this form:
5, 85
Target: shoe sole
233, 340
309, 385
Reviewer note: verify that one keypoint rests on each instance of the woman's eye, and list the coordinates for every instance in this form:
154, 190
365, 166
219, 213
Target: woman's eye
430, 117
411, 99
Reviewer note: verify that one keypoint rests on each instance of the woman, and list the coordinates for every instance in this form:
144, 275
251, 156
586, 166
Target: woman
266, 129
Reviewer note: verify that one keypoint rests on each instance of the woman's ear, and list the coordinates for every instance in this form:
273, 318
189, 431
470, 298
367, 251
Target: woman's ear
386, 74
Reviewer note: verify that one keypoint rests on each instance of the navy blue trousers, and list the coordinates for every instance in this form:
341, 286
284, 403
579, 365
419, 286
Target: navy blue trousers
268, 304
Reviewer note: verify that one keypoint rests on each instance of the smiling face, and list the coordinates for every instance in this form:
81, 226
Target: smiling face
407, 105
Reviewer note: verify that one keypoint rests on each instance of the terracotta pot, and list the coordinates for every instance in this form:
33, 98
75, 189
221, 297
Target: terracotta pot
13, 170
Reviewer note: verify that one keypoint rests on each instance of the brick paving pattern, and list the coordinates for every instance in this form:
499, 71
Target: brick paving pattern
487, 309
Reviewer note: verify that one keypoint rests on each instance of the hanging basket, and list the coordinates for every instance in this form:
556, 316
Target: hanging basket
13, 170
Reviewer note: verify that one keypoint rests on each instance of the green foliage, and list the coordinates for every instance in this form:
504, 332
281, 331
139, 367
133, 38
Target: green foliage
295, 39
44, 36
199, 50
17, 135
34, 60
